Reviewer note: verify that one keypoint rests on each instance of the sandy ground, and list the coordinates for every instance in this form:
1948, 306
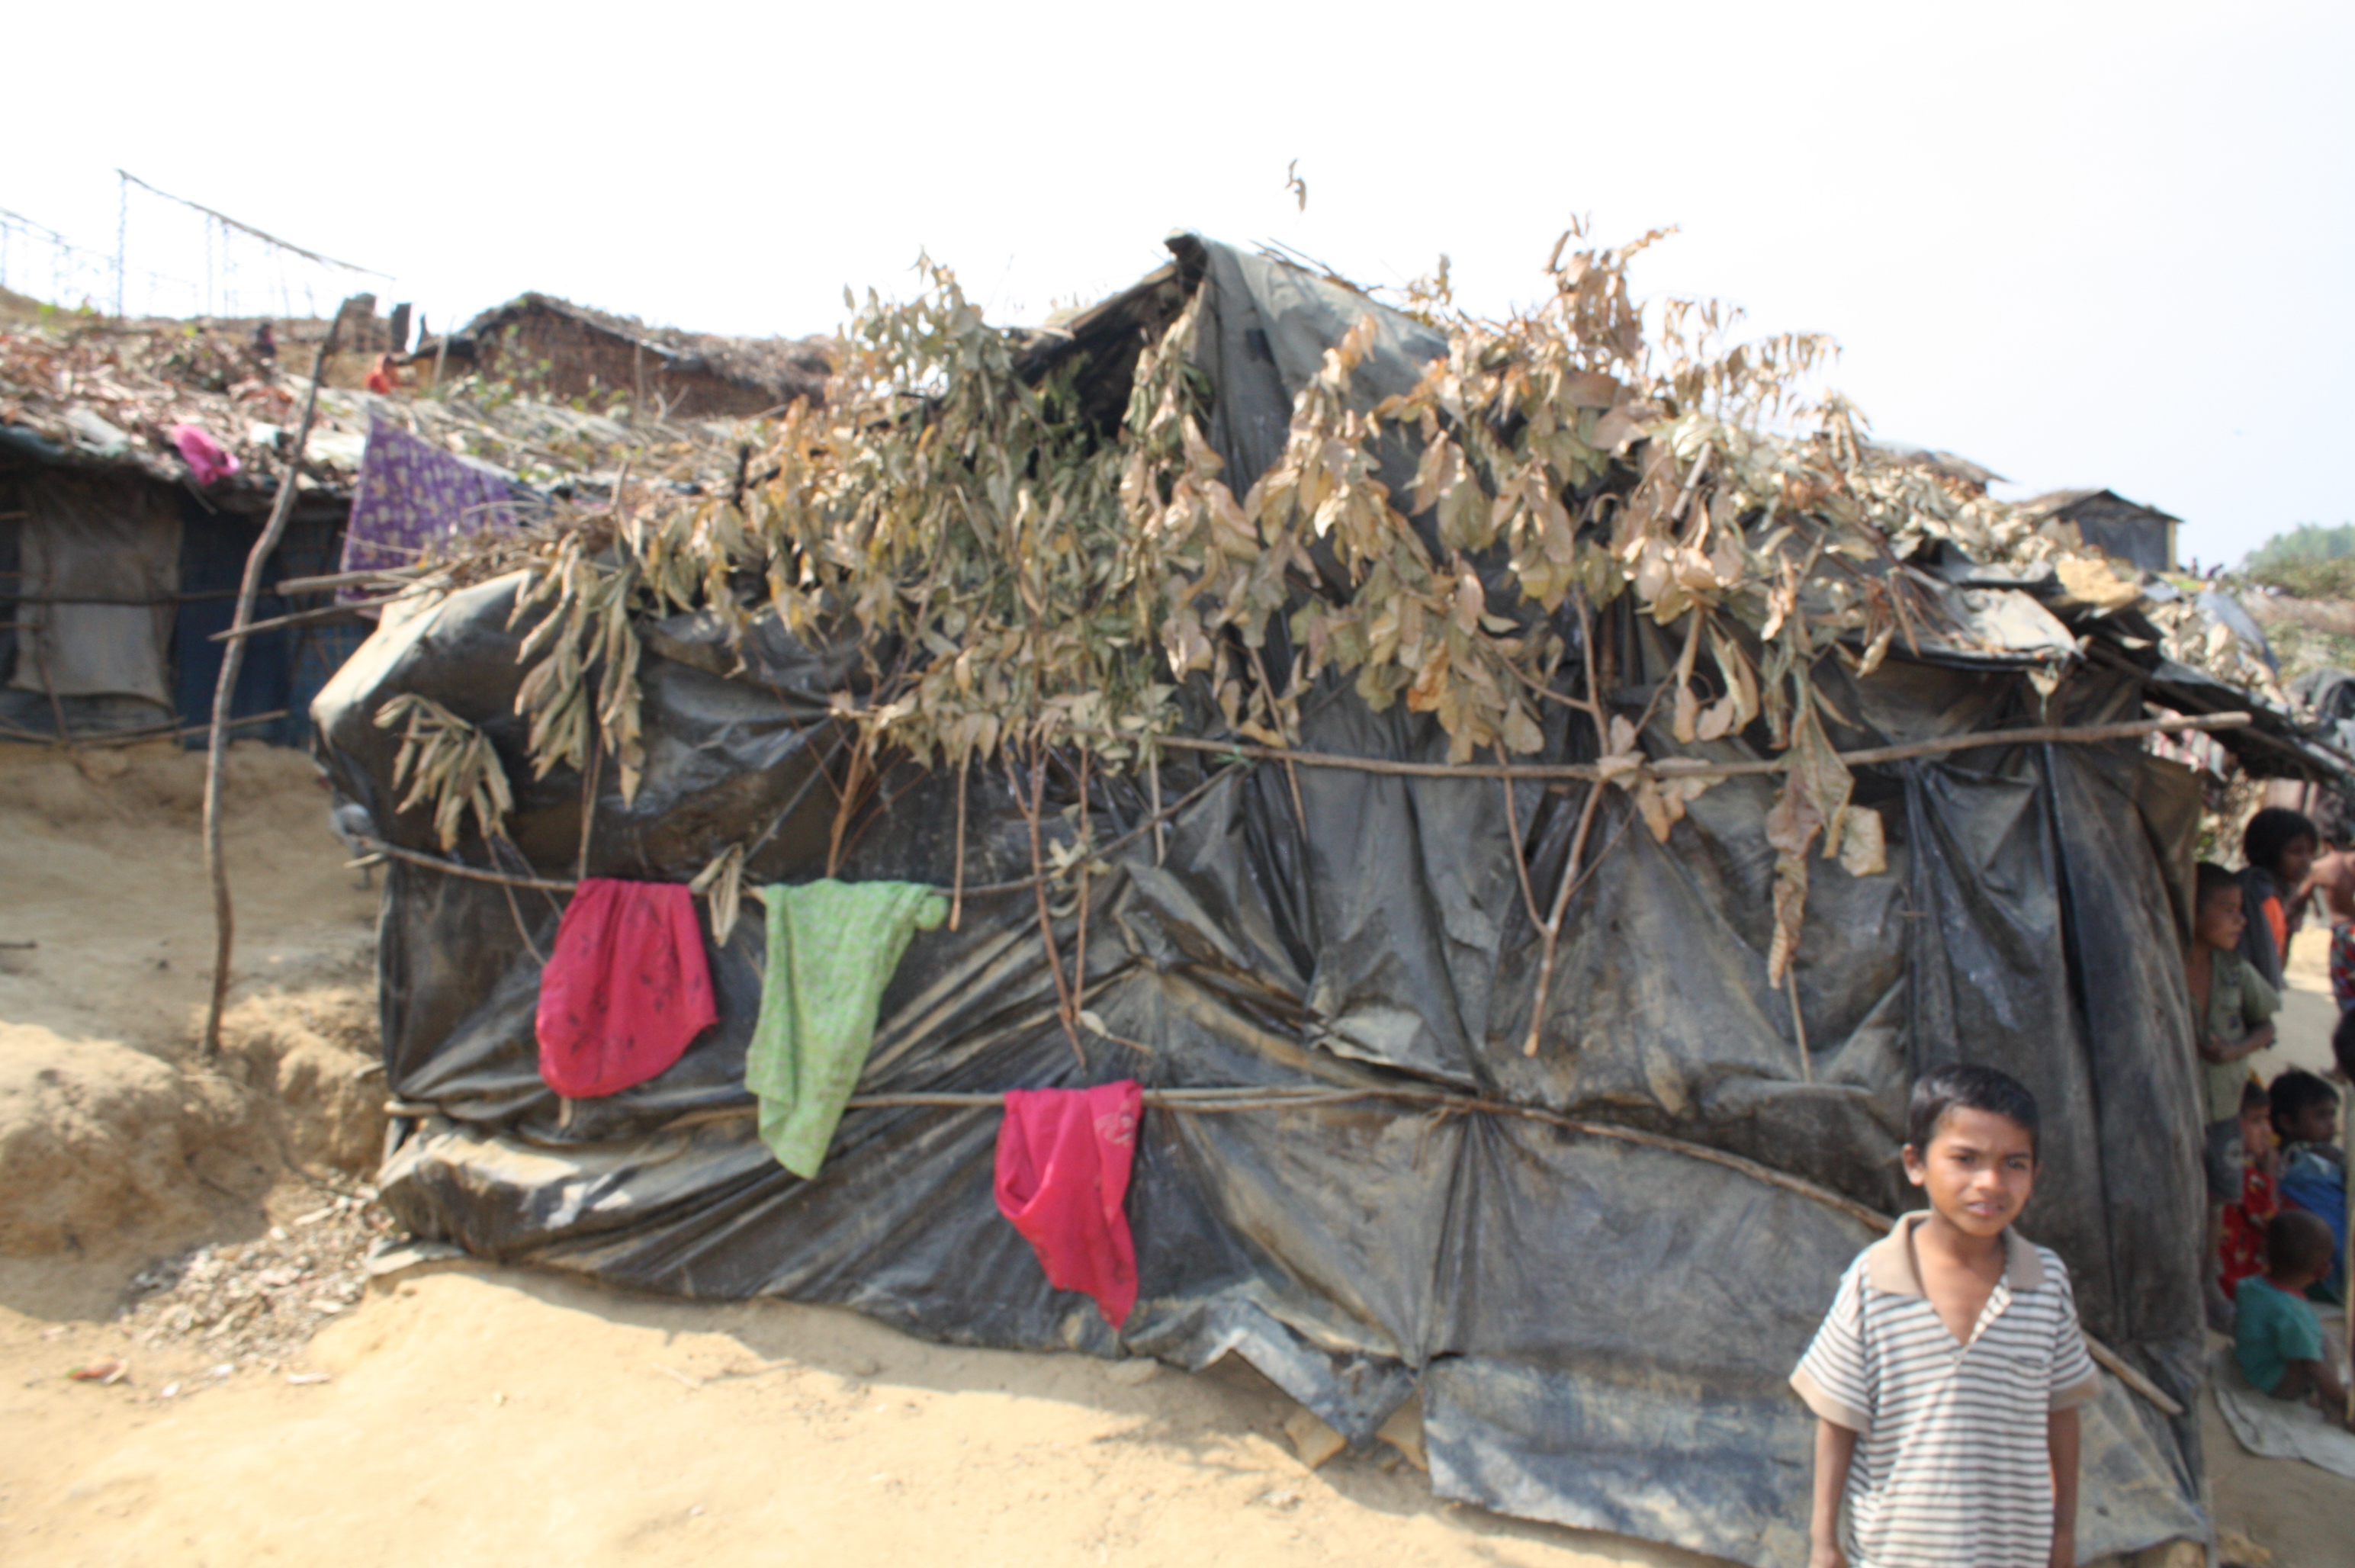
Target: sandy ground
461, 1414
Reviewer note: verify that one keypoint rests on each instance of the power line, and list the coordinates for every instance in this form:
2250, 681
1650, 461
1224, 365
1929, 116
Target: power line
248, 229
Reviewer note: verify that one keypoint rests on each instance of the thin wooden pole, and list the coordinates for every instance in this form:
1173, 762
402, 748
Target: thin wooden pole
232, 666
1700, 767
556, 885
1286, 1097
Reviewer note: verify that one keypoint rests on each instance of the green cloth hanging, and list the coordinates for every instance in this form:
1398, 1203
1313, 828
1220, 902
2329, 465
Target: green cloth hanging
832, 949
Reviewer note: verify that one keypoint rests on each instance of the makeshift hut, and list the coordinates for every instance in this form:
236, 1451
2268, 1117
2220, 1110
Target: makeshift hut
562, 351
138, 463
123, 541
2139, 535
1523, 827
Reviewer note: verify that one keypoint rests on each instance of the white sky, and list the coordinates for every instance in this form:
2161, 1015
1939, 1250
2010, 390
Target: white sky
2084, 244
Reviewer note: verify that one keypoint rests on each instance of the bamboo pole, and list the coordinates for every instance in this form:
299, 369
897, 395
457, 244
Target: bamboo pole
317, 615
1699, 767
225, 693
1213, 1100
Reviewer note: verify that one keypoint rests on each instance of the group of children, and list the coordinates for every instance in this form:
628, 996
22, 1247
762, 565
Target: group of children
1948, 1376
2269, 1150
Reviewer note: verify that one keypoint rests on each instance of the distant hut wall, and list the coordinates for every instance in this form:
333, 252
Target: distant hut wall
2131, 533
112, 586
560, 358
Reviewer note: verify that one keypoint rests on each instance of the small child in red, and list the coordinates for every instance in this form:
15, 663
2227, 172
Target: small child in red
2243, 1253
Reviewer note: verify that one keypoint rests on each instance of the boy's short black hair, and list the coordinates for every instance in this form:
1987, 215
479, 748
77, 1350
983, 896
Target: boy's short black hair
2273, 830
2294, 1091
2342, 1043
2256, 1097
2212, 878
2297, 1242
1945, 1089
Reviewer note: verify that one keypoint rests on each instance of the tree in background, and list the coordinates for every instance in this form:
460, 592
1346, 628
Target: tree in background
2309, 618
2309, 561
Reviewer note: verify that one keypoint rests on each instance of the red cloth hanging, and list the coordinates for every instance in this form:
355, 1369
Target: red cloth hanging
626, 990
1063, 1160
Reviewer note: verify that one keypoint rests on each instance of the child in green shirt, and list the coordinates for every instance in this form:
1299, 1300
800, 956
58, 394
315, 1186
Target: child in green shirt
2276, 1337
2232, 1012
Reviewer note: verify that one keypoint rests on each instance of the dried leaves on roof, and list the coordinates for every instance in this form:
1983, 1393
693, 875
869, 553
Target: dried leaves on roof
1020, 580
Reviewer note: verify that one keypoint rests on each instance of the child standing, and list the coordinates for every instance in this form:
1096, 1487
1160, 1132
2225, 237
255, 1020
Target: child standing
2277, 1340
2232, 1010
2243, 1253
2279, 845
1946, 1379
2333, 876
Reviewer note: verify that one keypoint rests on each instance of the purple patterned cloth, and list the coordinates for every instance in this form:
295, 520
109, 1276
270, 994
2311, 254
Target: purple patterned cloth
412, 494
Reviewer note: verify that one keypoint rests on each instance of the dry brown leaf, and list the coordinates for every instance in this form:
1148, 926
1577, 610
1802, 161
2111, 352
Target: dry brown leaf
1863, 849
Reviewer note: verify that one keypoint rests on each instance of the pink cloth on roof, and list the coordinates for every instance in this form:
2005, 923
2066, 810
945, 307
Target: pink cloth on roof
1063, 1163
207, 459
626, 990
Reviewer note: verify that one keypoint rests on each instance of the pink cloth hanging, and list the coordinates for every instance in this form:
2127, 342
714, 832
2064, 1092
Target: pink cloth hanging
207, 459
626, 990
1063, 1163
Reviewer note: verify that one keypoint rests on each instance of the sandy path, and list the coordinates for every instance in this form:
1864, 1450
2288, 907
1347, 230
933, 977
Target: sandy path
481, 1415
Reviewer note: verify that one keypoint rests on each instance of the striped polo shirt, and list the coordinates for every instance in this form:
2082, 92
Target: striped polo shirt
1951, 1466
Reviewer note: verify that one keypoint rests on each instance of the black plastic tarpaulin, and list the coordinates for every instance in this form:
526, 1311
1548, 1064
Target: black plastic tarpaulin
1599, 1327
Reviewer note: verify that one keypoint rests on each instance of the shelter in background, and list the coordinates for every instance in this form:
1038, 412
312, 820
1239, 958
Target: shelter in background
562, 351
1594, 1262
120, 564
2139, 535
117, 570
1969, 477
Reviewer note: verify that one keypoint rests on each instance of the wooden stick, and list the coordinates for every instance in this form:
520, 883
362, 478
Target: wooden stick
1520, 853
1549, 934
1698, 767
150, 602
49, 684
956, 898
178, 733
460, 869
556, 885
225, 693
293, 585
1279, 1097
1798, 1024
311, 618
146, 732
1087, 849
589, 798
1065, 1011
1153, 783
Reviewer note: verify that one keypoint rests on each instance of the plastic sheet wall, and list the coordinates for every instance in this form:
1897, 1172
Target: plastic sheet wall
1600, 1332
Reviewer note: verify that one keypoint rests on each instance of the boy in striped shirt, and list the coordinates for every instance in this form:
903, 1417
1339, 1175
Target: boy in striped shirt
1947, 1376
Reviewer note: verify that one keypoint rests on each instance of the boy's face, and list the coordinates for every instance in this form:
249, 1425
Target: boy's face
1977, 1171
2296, 859
2220, 920
2317, 1121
